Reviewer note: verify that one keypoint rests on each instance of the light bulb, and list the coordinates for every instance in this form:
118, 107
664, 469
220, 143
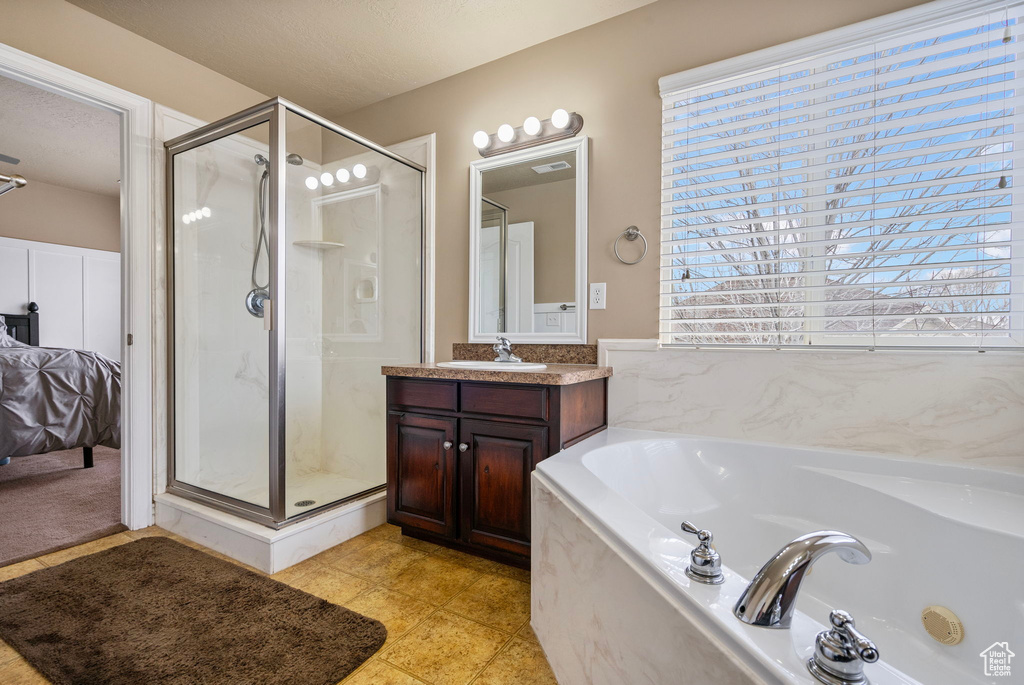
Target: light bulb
193, 216
185, 219
343, 175
206, 211
531, 126
481, 140
359, 171
327, 178
312, 183
559, 118
506, 133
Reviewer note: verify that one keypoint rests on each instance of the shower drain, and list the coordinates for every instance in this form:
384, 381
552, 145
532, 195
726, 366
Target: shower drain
305, 503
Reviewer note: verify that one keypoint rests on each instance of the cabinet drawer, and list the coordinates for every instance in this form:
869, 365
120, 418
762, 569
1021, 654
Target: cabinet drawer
528, 402
427, 394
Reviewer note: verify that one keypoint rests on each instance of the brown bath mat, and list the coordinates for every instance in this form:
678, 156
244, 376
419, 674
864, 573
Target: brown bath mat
156, 611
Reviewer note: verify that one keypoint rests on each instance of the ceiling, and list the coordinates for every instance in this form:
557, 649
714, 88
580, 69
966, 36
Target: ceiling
59, 140
335, 56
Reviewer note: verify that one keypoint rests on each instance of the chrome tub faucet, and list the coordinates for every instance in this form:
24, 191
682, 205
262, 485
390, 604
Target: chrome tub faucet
503, 348
770, 598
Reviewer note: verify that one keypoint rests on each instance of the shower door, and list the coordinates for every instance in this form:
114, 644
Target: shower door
221, 361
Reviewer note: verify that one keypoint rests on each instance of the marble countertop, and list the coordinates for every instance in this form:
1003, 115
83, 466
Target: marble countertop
554, 374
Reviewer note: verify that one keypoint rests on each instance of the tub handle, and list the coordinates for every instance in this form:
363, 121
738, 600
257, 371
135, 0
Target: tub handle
840, 652
705, 563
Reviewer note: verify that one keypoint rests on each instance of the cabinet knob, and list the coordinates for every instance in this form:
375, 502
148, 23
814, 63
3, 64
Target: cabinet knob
487, 470
437, 467
463, 447
447, 444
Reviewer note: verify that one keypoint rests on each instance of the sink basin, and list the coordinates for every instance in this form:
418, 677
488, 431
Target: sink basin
494, 366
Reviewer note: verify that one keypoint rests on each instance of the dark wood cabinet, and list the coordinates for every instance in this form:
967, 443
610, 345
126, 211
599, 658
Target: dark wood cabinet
460, 455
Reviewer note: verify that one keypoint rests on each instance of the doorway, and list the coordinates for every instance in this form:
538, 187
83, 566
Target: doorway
132, 334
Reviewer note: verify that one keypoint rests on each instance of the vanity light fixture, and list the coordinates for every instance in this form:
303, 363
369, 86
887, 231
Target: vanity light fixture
192, 217
562, 124
359, 176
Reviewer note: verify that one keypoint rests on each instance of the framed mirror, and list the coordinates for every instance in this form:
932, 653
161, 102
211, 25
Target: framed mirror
528, 245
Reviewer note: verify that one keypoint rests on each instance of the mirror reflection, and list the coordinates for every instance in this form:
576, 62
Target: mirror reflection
527, 247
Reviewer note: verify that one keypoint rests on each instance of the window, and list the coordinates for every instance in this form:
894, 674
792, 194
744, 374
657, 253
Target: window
851, 189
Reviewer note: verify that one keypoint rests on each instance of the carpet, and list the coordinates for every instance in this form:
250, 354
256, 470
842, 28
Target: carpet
49, 502
156, 611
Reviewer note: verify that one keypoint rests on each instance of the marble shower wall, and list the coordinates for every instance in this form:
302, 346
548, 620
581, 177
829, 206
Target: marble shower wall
956, 406
371, 312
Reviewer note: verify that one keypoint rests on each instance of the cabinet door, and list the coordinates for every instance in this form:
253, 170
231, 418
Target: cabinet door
494, 469
421, 472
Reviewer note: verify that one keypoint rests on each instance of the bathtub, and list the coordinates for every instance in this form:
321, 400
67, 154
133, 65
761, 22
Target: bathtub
611, 602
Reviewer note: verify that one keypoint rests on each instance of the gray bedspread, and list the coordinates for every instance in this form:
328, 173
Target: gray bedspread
56, 399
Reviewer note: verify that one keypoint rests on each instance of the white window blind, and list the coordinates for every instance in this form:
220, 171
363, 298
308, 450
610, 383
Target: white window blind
860, 197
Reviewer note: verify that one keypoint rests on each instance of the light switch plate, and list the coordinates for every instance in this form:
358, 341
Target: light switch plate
598, 296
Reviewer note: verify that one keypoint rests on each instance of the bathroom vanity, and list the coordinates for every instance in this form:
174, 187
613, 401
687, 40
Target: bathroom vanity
462, 444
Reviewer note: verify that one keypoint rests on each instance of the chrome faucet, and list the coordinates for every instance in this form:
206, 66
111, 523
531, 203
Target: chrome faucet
770, 599
840, 653
503, 348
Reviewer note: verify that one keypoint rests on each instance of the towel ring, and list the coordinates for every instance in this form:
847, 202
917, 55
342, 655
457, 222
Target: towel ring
630, 234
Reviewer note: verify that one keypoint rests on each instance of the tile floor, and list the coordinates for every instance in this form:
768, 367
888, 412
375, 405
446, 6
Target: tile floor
452, 618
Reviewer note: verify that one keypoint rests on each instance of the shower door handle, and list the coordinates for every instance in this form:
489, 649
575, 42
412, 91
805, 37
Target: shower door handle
268, 311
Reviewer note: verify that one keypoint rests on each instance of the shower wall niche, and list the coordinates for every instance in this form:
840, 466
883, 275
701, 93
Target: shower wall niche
295, 261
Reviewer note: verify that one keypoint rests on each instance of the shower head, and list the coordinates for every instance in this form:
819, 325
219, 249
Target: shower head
292, 158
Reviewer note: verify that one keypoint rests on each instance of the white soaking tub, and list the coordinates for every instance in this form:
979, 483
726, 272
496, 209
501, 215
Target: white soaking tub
611, 602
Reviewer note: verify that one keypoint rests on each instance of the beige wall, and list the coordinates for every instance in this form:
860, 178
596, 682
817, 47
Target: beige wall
552, 209
53, 214
609, 73
71, 37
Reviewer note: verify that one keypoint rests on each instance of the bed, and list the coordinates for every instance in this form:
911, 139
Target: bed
52, 398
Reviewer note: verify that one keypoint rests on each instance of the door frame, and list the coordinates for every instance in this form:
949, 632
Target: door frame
138, 295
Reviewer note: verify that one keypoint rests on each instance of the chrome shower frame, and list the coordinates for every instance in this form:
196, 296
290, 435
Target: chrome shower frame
272, 111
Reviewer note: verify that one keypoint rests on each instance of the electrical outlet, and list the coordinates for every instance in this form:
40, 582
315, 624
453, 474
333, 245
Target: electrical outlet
553, 320
598, 295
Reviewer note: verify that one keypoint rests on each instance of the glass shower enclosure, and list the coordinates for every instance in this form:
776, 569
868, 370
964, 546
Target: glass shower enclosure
295, 270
